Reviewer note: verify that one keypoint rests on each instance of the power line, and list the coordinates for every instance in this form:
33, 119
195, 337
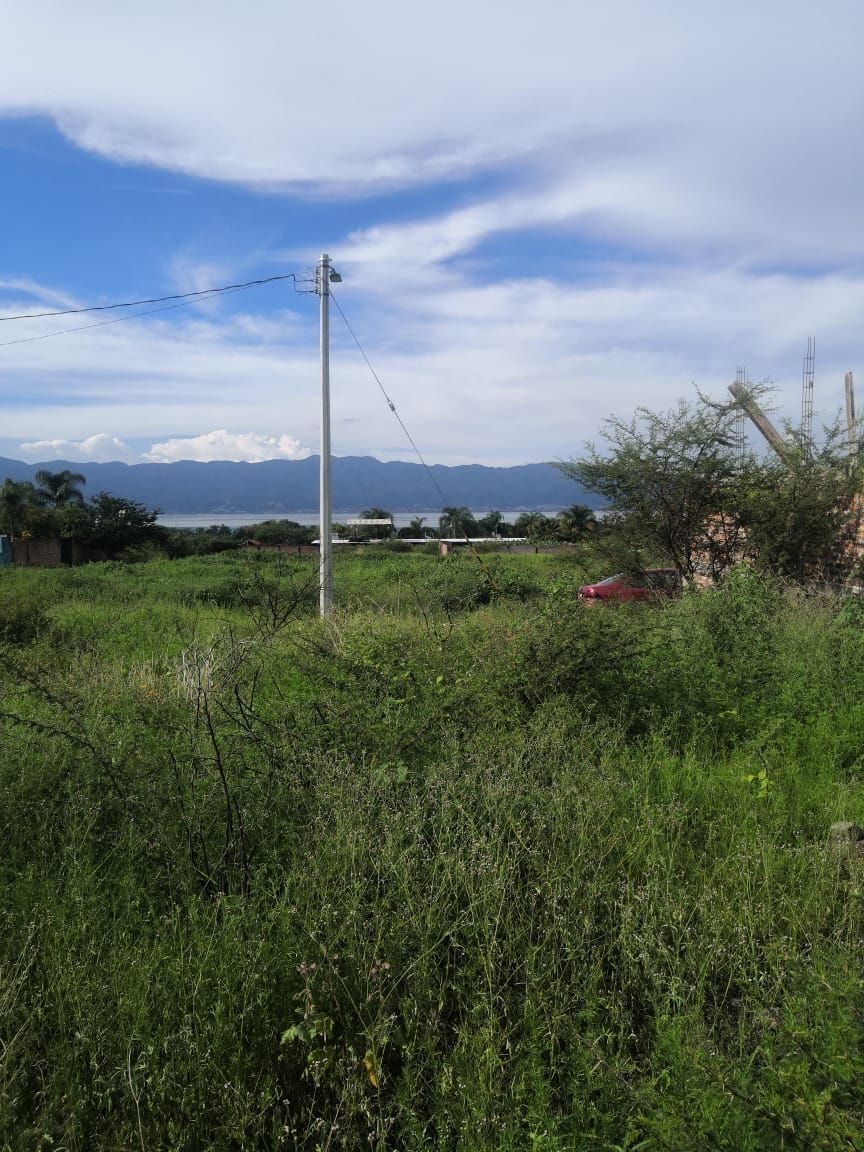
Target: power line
105, 323
390, 403
411, 441
296, 277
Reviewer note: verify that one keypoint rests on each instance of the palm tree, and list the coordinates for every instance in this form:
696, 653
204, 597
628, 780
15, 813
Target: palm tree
417, 523
378, 532
491, 522
533, 524
456, 521
60, 488
577, 521
15, 499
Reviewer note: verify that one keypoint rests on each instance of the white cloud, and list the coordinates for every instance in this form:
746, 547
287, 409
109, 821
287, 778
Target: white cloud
721, 141
518, 370
45, 298
223, 445
100, 447
733, 124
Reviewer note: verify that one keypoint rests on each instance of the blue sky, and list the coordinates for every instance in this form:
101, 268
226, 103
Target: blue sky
543, 214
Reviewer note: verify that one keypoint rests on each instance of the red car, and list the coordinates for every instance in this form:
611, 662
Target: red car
645, 585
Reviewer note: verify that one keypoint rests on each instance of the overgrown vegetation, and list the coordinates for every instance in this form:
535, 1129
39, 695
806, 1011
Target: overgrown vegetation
109, 525
114, 527
676, 486
477, 866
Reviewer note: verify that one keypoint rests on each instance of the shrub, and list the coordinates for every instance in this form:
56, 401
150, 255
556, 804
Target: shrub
534, 875
22, 613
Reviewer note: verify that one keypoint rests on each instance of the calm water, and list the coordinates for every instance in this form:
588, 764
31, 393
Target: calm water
241, 519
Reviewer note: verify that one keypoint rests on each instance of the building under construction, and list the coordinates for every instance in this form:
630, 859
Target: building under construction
748, 406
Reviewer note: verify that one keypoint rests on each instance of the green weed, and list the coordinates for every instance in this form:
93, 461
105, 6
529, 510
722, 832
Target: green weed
461, 869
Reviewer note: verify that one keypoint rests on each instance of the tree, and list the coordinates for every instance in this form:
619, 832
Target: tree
58, 489
376, 532
108, 523
414, 529
666, 477
72, 522
576, 521
536, 526
677, 490
800, 515
491, 523
16, 499
276, 532
457, 521
116, 523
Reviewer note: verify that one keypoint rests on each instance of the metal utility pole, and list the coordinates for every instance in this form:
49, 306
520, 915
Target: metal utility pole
740, 431
324, 278
851, 426
807, 396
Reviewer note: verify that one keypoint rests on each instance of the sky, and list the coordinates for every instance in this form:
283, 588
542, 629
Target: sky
544, 214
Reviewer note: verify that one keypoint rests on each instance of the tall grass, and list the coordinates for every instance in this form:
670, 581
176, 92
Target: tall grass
458, 871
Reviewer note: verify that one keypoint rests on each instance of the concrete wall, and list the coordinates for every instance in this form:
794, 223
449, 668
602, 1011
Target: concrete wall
291, 549
36, 553
49, 553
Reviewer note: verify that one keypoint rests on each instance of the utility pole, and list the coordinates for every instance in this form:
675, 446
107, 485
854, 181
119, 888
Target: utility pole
851, 427
807, 396
759, 418
324, 278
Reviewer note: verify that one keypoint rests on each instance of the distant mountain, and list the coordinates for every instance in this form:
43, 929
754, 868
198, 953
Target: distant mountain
282, 486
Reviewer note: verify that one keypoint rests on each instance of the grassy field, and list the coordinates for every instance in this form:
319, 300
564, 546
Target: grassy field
473, 867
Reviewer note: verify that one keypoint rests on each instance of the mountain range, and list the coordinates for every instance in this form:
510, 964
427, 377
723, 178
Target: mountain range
282, 486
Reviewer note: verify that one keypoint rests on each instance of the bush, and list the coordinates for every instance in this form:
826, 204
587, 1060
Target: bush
22, 613
463, 582
534, 875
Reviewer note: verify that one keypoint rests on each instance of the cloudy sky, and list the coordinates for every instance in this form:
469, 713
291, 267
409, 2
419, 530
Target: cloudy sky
543, 213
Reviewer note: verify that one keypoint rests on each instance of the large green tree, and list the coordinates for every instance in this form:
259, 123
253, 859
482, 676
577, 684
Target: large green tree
17, 499
536, 526
800, 515
457, 521
108, 523
59, 489
577, 521
117, 523
677, 491
665, 477
493, 524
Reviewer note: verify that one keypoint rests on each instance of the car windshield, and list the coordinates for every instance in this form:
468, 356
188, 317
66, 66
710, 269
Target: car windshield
661, 578
625, 580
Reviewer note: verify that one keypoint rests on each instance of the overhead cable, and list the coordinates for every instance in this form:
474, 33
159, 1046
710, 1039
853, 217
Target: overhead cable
105, 323
411, 440
390, 403
296, 277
